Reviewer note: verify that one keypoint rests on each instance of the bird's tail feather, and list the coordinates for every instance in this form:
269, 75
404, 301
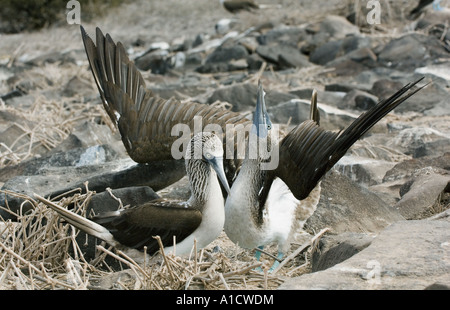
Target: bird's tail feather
368, 119
81, 222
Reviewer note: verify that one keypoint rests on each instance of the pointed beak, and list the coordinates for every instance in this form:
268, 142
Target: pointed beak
217, 164
261, 119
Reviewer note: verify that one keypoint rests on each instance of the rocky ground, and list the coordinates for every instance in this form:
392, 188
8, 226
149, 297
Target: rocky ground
383, 216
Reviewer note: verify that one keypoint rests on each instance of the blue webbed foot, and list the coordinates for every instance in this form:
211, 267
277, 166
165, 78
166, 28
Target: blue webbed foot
275, 264
258, 257
437, 5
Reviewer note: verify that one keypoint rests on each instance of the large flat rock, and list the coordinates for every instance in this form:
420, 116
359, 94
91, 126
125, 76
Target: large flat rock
345, 206
406, 255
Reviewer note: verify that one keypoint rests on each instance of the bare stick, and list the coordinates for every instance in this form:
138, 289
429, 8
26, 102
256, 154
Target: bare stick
232, 273
108, 189
300, 249
268, 254
258, 74
195, 255
161, 247
130, 263
145, 257
223, 281
78, 189
19, 258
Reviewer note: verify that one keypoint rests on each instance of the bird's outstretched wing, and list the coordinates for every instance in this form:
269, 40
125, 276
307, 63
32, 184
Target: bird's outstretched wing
309, 151
144, 120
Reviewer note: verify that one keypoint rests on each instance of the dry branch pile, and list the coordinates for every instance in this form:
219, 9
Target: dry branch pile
40, 251
43, 126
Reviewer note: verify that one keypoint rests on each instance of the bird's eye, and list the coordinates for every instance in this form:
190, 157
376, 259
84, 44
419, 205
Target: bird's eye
208, 156
269, 127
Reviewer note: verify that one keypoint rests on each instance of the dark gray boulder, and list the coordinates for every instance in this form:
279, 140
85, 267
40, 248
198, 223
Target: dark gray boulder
345, 206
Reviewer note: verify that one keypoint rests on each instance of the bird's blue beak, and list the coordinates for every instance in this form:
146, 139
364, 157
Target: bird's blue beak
217, 164
261, 119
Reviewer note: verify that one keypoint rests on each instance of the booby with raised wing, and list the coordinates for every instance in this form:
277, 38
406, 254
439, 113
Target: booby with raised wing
268, 206
201, 217
146, 121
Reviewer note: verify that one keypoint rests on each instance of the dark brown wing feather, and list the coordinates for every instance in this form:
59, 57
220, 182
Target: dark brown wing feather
136, 227
420, 6
309, 151
144, 120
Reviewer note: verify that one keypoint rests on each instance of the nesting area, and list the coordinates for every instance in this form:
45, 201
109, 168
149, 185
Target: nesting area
40, 251
382, 221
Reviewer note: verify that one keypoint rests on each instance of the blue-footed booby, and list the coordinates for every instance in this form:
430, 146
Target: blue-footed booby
200, 218
268, 206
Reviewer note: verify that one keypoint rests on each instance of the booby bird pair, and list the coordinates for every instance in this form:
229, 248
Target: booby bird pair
145, 124
200, 218
268, 206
